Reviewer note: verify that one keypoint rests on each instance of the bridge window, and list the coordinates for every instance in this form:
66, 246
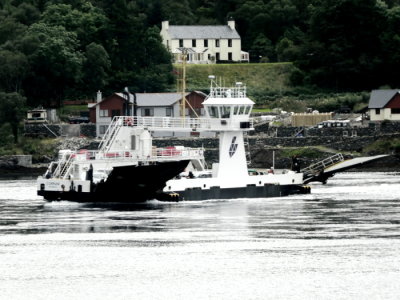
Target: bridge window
225, 111
248, 108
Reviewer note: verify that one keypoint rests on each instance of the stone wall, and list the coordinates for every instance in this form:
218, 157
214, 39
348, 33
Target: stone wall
15, 161
40, 130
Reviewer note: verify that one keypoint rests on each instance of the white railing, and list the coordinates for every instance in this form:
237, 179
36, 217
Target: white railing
179, 124
323, 164
167, 153
225, 92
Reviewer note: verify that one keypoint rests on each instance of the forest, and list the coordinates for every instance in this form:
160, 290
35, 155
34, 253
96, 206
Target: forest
51, 50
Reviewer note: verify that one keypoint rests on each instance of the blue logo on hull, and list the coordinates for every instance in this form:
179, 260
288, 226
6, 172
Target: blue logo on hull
233, 147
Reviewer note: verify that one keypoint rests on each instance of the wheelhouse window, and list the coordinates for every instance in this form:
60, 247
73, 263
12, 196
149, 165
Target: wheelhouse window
247, 110
213, 111
225, 111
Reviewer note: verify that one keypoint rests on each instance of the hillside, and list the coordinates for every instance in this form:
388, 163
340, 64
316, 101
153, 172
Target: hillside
273, 77
268, 84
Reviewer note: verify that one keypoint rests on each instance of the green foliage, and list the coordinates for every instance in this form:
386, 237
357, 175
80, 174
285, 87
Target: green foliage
306, 152
12, 110
383, 146
53, 49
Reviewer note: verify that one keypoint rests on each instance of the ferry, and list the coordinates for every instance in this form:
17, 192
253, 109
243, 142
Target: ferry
127, 168
228, 115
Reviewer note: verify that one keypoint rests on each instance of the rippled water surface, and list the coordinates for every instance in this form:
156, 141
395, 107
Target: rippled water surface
340, 242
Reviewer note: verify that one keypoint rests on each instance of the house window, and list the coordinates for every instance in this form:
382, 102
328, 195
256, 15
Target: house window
216, 43
180, 43
377, 111
102, 129
147, 112
193, 43
209, 56
115, 112
205, 43
229, 55
395, 110
230, 43
217, 56
103, 112
168, 111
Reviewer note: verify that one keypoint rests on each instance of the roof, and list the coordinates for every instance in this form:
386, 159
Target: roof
202, 32
379, 98
155, 99
152, 99
228, 101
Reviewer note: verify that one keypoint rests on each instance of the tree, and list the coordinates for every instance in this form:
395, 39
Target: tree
86, 21
96, 67
56, 63
12, 109
14, 67
343, 48
155, 67
262, 49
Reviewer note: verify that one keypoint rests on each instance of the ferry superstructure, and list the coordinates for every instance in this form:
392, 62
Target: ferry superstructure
228, 114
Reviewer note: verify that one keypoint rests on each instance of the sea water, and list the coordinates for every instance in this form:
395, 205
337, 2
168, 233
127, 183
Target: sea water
342, 241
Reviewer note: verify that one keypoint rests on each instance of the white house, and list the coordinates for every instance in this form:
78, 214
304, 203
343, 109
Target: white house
384, 105
203, 43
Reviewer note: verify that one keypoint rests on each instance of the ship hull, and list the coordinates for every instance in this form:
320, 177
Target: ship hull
135, 183
250, 191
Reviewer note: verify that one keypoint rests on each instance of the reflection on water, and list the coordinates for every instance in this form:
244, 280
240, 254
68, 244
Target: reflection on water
340, 242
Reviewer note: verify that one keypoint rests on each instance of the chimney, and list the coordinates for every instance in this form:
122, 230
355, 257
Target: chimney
231, 23
164, 25
99, 97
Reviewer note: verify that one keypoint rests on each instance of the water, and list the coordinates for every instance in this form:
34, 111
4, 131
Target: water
340, 242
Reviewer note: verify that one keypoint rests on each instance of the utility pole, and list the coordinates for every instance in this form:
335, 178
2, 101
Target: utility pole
181, 86
183, 101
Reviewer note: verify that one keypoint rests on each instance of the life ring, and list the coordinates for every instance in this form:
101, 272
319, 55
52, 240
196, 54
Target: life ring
129, 121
